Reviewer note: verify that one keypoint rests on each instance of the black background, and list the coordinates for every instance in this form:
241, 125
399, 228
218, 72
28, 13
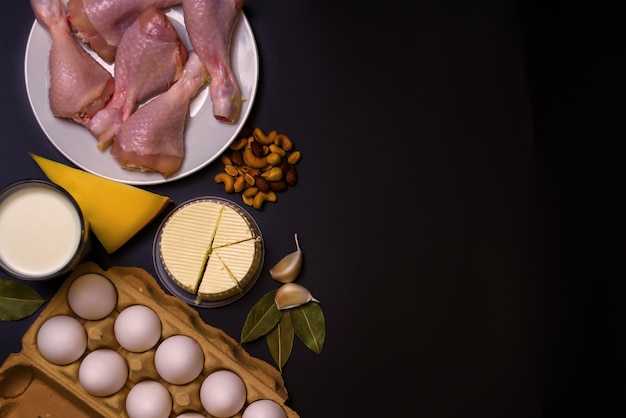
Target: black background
459, 202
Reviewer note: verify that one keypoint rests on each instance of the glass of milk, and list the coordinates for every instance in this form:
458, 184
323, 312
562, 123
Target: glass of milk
43, 233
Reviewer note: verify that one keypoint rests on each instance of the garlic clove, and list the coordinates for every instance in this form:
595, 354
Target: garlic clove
289, 267
292, 295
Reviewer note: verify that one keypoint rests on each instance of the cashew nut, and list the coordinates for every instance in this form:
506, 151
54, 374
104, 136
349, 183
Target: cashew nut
262, 138
239, 144
275, 148
229, 181
262, 197
284, 142
253, 161
250, 192
248, 200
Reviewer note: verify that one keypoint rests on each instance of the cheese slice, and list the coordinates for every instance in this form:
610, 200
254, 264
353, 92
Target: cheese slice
116, 211
229, 270
185, 241
238, 259
233, 228
217, 282
211, 249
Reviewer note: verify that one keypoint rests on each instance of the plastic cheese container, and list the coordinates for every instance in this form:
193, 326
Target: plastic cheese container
33, 386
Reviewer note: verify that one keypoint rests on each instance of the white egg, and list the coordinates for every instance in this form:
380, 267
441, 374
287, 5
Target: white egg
92, 296
190, 415
223, 393
264, 408
103, 372
148, 399
62, 339
137, 328
179, 359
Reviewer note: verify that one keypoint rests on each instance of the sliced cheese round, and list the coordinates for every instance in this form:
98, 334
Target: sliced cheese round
211, 249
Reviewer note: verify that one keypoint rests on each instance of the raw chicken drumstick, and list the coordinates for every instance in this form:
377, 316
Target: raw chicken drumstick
79, 85
100, 24
210, 25
152, 138
150, 58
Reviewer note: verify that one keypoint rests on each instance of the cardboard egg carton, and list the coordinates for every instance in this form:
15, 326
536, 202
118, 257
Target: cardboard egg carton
31, 386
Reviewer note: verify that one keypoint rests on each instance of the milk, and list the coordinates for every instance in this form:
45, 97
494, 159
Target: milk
41, 231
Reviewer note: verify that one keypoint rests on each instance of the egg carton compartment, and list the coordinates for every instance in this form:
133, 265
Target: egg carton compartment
30, 385
28, 390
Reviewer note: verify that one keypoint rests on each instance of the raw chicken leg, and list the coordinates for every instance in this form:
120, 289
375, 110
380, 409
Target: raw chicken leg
210, 25
152, 138
150, 58
100, 24
79, 85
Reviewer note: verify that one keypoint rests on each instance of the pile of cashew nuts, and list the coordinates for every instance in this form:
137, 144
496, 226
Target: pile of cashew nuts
258, 166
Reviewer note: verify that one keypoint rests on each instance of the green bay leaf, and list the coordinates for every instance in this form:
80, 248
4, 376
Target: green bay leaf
309, 324
261, 319
18, 301
280, 340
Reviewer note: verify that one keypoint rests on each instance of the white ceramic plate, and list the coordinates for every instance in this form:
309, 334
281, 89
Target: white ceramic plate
205, 137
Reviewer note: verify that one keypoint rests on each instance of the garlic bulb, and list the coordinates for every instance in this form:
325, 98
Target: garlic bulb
288, 268
292, 295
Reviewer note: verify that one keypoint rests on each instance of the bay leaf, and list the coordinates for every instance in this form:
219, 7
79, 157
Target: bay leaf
280, 340
309, 324
17, 300
262, 318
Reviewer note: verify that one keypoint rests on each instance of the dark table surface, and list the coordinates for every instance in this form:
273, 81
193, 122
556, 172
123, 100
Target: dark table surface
459, 202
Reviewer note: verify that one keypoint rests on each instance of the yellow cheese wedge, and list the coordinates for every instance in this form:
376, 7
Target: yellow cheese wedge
116, 211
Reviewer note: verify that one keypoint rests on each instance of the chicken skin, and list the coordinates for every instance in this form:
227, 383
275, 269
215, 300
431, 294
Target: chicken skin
152, 138
79, 85
210, 25
150, 58
101, 24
